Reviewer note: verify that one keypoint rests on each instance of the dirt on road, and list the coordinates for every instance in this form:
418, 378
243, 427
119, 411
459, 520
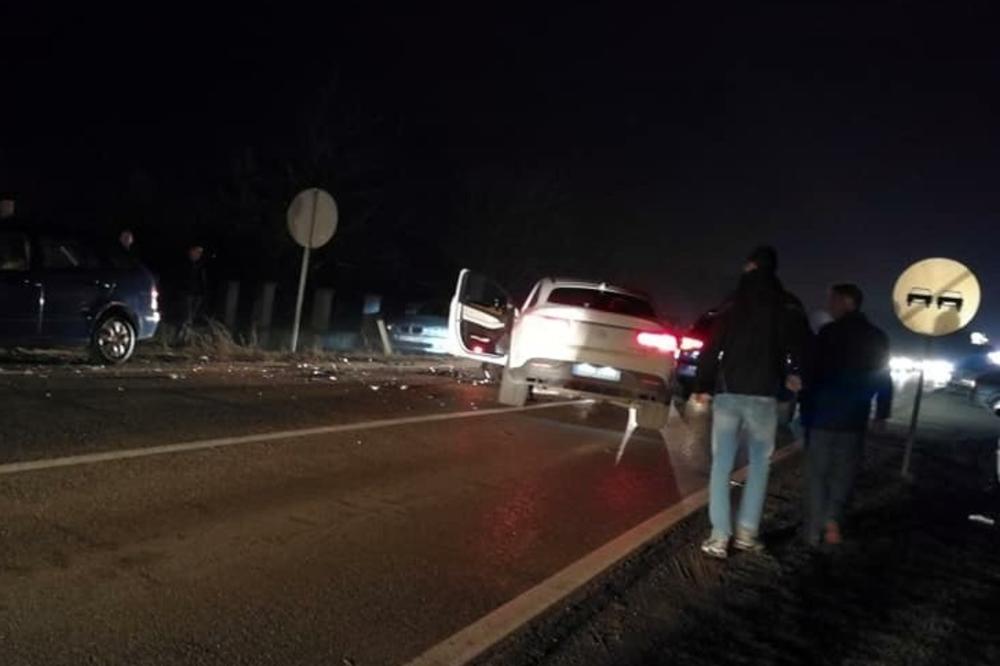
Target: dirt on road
56, 403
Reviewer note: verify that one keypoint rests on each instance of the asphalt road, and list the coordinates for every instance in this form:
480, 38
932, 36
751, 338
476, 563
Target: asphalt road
364, 546
358, 547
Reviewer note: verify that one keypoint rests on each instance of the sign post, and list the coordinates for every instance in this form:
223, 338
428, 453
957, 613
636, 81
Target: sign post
933, 297
312, 221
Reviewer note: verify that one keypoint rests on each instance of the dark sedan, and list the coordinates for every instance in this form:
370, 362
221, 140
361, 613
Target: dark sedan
987, 391
60, 289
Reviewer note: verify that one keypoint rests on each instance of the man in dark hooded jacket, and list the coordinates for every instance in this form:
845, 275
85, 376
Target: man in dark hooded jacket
756, 348
851, 367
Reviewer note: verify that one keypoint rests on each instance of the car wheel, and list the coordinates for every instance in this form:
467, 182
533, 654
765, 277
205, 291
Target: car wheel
114, 340
513, 393
653, 415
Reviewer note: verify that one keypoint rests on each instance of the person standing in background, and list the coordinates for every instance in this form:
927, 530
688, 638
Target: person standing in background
7, 208
192, 287
126, 239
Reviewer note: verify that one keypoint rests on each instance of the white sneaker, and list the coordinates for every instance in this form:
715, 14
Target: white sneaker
716, 547
747, 542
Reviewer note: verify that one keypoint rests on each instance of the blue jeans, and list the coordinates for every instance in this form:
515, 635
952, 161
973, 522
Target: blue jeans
756, 418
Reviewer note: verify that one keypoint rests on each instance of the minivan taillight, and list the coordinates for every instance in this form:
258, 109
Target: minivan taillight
661, 342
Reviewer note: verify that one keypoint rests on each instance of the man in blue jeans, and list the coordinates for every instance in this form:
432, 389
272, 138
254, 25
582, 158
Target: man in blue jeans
756, 346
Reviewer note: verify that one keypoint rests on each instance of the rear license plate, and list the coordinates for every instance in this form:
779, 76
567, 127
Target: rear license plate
597, 372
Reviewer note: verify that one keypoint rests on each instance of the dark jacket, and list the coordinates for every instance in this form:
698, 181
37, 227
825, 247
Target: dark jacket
759, 337
192, 280
850, 367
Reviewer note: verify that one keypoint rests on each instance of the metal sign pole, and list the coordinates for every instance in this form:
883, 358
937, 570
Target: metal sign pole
299, 298
302, 276
911, 437
954, 290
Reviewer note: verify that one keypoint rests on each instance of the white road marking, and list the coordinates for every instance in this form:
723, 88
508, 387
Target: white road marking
481, 636
198, 445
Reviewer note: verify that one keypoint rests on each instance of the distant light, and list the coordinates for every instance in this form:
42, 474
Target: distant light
902, 364
938, 372
978, 338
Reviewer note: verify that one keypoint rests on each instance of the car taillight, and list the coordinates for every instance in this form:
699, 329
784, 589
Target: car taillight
661, 342
691, 344
154, 300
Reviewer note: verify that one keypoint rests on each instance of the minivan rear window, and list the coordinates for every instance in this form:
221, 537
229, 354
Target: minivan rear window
604, 301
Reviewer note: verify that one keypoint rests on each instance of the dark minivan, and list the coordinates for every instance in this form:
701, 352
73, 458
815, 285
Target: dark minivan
62, 289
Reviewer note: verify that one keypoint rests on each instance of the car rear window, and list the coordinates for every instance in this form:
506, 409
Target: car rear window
604, 301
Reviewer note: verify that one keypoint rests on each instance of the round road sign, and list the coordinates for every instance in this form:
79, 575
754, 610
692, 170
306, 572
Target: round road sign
312, 217
936, 296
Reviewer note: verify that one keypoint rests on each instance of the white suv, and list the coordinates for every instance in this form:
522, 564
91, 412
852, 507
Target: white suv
573, 337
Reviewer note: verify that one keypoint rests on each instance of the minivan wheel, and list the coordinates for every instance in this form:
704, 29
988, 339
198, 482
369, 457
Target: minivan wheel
114, 340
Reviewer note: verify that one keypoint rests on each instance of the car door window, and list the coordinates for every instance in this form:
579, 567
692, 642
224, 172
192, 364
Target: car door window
15, 253
65, 254
484, 294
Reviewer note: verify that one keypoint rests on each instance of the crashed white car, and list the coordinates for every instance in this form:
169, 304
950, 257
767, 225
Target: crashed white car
573, 338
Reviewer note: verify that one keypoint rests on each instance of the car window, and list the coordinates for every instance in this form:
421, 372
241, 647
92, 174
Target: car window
604, 301
426, 309
67, 254
14, 252
485, 293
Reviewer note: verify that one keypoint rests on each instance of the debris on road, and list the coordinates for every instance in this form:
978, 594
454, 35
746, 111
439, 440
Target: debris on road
980, 518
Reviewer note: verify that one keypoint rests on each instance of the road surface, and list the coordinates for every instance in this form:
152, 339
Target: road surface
364, 546
407, 509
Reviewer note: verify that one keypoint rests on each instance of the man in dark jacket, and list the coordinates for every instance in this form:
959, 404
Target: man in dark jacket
756, 347
192, 285
851, 367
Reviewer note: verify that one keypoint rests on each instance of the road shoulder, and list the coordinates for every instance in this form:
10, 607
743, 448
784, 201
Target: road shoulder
916, 583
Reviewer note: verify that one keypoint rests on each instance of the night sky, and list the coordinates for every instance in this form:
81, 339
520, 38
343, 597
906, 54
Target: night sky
650, 148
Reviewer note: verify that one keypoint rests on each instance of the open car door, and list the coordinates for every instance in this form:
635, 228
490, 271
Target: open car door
480, 319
